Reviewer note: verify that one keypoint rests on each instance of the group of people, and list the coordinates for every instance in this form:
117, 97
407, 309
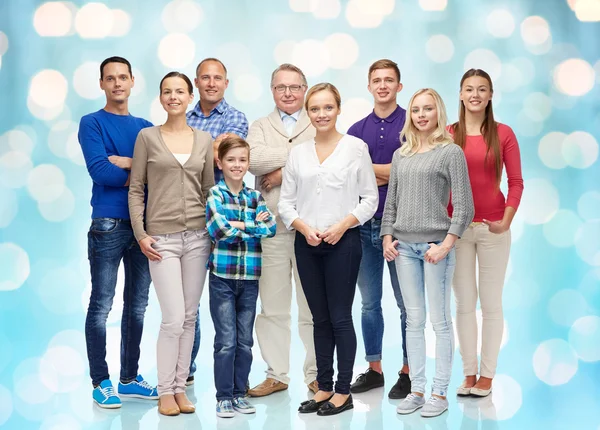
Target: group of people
328, 210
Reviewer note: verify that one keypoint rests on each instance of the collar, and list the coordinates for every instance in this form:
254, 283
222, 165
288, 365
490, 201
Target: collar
221, 108
223, 187
295, 115
391, 117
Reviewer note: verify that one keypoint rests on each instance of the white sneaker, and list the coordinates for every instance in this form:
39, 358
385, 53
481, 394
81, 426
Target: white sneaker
411, 403
435, 406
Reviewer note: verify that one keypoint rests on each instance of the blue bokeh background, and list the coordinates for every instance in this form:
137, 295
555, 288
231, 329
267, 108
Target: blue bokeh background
544, 57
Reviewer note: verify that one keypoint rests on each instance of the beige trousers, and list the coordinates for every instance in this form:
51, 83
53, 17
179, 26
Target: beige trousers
274, 321
478, 249
178, 280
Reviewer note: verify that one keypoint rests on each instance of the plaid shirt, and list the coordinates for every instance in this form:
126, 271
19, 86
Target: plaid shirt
236, 253
222, 119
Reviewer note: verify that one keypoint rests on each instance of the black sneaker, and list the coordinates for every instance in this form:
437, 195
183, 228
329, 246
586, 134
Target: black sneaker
189, 381
402, 387
367, 381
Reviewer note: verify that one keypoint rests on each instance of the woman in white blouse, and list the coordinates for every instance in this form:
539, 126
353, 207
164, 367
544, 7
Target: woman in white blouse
328, 189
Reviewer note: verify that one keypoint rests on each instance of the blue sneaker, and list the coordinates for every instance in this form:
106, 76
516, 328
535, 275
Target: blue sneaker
243, 406
138, 388
225, 409
104, 395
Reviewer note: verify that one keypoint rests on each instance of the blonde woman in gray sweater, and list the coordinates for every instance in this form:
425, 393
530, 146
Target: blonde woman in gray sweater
175, 161
419, 236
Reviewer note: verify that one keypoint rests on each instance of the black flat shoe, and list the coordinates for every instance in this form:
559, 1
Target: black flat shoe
330, 409
312, 405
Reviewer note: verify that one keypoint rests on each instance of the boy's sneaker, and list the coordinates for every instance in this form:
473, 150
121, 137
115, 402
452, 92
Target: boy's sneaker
138, 388
243, 406
225, 409
401, 388
411, 403
189, 381
435, 406
104, 395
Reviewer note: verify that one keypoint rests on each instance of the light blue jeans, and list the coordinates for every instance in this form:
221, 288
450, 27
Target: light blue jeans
415, 277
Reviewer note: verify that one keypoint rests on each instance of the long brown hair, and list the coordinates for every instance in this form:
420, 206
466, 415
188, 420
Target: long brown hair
489, 127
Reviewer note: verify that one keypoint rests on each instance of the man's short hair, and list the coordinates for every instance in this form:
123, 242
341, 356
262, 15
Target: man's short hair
230, 143
114, 60
206, 60
384, 64
290, 68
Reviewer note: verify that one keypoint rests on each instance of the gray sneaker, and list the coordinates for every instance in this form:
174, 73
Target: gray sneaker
411, 403
434, 407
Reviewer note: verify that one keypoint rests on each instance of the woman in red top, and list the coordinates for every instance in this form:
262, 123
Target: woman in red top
485, 245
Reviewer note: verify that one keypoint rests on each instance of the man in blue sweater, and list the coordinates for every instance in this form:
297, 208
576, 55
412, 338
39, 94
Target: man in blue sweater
107, 138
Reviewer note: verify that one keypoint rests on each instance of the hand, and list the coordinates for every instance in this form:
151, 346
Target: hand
263, 216
240, 225
496, 227
313, 236
122, 162
216, 144
271, 180
436, 253
389, 249
334, 233
146, 247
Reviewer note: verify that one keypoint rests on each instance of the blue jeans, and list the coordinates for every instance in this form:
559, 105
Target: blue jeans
110, 241
196, 346
370, 283
328, 276
232, 308
416, 276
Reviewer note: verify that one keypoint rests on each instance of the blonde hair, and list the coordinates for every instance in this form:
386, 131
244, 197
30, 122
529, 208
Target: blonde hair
410, 134
324, 86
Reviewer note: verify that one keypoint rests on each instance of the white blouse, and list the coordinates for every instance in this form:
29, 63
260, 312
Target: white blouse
323, 194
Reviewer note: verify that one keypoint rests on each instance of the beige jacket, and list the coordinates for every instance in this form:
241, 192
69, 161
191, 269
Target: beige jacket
176, 194
270, 146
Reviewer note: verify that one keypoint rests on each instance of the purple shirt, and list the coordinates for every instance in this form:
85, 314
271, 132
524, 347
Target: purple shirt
382, 136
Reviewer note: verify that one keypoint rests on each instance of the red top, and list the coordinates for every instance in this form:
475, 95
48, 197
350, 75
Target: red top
489, 201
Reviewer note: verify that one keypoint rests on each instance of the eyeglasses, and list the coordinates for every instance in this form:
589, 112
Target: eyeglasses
293, 88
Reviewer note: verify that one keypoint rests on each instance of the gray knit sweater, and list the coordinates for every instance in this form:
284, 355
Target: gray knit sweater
416, 207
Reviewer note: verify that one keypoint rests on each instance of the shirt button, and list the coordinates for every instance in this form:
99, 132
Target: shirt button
381, 120
381, 137
382, 128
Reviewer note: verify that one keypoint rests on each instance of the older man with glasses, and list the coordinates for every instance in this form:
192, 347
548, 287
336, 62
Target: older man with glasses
271, 139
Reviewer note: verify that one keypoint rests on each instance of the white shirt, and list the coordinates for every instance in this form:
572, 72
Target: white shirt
323, 194
289, 121
182, 158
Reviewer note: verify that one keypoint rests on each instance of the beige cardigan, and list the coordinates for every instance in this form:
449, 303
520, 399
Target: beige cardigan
176, 194
270, 146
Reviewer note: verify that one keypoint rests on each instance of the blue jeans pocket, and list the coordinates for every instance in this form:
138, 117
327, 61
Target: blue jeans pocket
103, 225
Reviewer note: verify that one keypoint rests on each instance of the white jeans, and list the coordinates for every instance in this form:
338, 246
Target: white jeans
479, 249
274, 321
178, 280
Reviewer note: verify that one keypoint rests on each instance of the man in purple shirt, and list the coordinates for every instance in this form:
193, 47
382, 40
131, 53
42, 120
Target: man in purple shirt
381, 131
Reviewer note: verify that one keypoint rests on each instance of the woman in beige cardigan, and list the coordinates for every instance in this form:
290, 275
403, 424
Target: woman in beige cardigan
175, 162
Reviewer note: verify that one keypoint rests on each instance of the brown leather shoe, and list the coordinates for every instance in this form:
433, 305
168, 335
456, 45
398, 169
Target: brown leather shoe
313, 386
185, 405
268, 386
171, 411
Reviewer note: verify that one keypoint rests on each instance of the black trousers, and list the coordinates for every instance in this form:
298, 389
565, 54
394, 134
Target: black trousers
328, 274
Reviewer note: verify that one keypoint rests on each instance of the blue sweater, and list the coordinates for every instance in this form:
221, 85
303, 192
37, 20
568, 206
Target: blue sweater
102, 134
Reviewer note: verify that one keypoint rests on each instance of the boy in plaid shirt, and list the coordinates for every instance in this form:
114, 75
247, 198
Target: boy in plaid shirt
237, 218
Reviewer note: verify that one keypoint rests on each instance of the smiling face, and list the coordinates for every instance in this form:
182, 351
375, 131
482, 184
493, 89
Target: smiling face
116, 82
423, 113
175, 96
323, 111
475, 94
211, 81
235, 163
384, 85
287, 100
